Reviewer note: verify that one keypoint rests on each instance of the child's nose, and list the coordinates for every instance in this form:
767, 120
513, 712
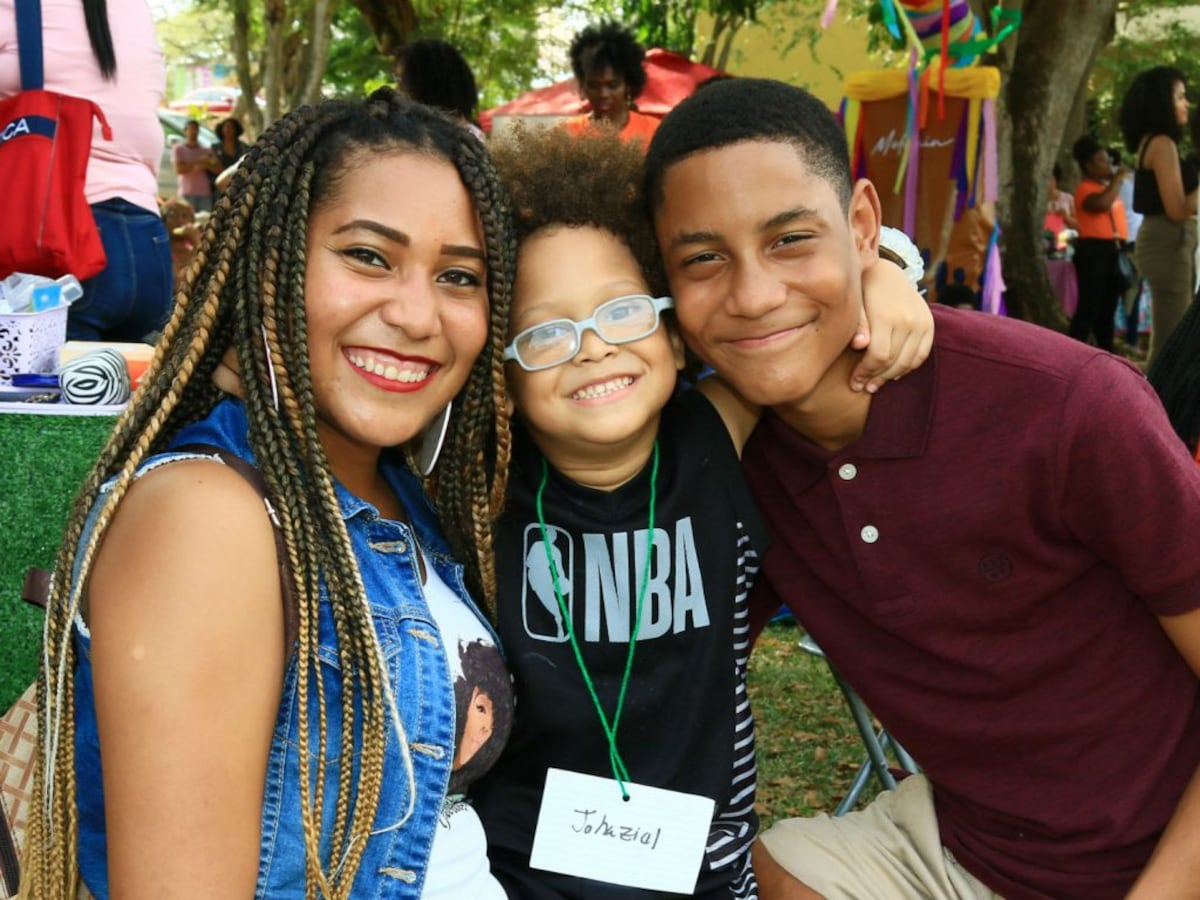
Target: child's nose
593, 347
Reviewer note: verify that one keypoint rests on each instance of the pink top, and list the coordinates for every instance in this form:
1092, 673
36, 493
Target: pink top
194, 183
126, 166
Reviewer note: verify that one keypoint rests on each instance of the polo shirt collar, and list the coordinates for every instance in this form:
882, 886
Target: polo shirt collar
898, 425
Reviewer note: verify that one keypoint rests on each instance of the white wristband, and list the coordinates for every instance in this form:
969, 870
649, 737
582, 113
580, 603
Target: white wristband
899, 244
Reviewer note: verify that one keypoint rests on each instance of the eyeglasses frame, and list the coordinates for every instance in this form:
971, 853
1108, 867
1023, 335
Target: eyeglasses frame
582, 326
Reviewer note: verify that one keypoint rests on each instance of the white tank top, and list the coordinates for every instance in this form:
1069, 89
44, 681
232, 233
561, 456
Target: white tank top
458, 864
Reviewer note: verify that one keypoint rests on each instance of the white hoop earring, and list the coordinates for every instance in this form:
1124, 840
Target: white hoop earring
270, 370
431, 441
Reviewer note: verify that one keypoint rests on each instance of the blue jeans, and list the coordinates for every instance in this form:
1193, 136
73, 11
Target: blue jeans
131, 297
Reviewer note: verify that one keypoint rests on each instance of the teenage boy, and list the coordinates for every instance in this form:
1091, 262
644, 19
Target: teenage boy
1010, 581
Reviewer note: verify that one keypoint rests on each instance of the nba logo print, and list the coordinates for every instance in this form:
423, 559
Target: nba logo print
539, 602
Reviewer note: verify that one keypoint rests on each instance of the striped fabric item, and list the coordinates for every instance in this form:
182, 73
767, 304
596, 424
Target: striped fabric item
100, 378
18, 739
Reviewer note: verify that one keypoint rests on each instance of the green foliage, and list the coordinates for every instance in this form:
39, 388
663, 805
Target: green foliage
1134, 50
200, 34
500, 41
671, 24
355, 66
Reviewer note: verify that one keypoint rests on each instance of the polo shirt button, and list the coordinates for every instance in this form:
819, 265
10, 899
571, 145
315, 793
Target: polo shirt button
869, 534
847, 471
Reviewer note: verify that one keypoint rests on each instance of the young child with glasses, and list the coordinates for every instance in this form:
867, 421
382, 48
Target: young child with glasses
625, 554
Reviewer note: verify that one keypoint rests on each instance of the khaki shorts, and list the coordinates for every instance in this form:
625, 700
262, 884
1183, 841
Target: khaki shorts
889, 850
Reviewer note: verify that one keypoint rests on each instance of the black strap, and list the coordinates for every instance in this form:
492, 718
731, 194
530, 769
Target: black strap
29, 44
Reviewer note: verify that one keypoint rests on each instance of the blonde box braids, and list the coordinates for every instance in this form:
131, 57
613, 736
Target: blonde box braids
247, 281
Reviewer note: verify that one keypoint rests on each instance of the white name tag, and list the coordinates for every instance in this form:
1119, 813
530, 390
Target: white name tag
655, 840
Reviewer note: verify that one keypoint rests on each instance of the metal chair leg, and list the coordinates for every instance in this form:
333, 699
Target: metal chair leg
876, 743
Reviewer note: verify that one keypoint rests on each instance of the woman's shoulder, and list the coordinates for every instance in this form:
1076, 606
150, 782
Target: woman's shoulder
1157, 146
191, 532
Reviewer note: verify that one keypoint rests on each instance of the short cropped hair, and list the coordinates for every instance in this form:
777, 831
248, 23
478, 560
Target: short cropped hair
612, 45
1084, 150
737, 110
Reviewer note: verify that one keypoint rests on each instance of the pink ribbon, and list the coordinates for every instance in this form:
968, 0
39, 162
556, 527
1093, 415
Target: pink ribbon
827, 16
991, 179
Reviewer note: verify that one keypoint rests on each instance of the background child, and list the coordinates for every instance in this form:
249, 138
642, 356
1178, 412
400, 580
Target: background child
629, 542
180, 220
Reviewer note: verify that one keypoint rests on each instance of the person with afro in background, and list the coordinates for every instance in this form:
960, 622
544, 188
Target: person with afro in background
607, 63
433, 72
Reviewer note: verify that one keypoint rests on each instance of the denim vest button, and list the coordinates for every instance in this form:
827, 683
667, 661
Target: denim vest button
389, 546
406, 875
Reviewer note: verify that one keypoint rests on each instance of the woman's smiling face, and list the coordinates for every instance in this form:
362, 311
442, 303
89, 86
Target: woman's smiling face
395, 296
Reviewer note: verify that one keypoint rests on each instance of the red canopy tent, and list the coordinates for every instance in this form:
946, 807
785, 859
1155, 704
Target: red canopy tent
669, 78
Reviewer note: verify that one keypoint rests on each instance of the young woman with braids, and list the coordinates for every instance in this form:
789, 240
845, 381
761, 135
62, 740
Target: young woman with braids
359, 272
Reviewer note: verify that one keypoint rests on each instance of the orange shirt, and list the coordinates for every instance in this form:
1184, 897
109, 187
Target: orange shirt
639, 127
1106, 225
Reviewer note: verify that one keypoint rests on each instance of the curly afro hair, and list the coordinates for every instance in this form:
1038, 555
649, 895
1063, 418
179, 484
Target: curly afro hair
594, 180
609, 45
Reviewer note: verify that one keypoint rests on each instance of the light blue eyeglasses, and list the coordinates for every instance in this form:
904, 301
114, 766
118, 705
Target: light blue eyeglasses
621, 320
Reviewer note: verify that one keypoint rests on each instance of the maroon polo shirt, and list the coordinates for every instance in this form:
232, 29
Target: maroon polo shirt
985, 565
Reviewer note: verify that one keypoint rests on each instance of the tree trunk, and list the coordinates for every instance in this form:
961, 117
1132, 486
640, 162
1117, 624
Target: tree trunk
316, 55
1055, 46
241, 51
391, 21
272, 66
720, 43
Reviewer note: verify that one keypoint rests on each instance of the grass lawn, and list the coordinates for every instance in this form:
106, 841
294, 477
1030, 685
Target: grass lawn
808, 749
43, 461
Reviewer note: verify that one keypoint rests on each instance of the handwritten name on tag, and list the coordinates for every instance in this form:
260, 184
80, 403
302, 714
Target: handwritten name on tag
654, 840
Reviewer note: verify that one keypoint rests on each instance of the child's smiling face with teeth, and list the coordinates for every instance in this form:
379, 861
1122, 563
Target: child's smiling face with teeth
607, 396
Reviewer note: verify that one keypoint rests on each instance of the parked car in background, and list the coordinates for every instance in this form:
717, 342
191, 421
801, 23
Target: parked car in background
209, 101
172, 125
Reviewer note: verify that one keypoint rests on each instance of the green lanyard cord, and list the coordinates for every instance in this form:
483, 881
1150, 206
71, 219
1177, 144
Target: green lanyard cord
618, 765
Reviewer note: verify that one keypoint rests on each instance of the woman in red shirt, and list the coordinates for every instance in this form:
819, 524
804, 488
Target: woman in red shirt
607, 62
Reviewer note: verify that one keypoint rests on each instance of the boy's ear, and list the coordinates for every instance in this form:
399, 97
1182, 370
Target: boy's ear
865, 219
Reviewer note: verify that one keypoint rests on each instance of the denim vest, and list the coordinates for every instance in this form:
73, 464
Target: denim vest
394, 862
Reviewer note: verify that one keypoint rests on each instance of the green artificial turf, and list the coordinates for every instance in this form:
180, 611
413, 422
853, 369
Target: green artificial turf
43, 461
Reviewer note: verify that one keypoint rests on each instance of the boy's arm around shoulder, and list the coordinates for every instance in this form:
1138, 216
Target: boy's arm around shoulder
185, 615
895, 330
